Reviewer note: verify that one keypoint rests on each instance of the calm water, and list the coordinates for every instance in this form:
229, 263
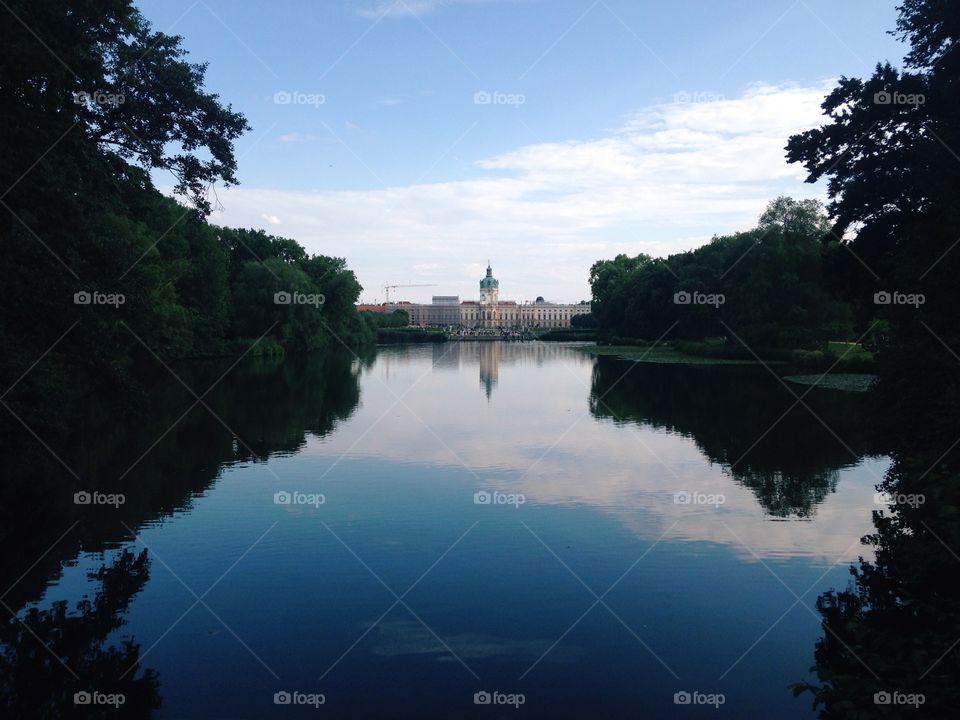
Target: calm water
584, 582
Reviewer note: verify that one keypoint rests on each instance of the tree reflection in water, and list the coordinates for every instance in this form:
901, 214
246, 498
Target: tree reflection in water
744, 419
159, 447
36, 685
894, 633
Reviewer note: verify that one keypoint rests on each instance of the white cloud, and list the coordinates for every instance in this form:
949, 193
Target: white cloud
295, 137
410, 8
667, 180
272, 219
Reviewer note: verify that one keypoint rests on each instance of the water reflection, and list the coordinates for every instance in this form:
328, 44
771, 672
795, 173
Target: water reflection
890, 640
169, 450
599, 448
489, 355
53, 660
787, 452
623, 438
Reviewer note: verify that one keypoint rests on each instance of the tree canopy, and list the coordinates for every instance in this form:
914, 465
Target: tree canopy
764, 287
103, 273
890, 151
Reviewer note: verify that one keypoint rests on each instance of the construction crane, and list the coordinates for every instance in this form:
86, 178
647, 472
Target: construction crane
388, 288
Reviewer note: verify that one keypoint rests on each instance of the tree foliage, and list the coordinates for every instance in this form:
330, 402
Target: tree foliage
764, 287
96, 101
889, 148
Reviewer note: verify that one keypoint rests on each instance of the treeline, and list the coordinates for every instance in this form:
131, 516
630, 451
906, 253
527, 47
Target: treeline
103, 274
881, 265
765, 288
392, 328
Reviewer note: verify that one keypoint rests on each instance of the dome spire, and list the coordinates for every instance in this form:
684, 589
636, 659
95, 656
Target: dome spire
489, 281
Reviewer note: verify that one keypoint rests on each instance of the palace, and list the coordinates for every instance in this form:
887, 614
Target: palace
490, 311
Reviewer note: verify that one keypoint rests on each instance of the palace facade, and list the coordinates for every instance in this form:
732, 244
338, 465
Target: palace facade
490, 311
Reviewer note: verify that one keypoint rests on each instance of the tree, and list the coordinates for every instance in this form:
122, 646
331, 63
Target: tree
765, 287
583, 321
805, 217
97, 76
607, 279
96, 100
889, 150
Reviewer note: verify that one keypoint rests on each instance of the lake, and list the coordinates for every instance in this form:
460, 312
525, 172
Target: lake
473, 529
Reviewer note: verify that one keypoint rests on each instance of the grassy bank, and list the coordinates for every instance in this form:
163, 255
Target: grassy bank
661, 354
850, 382
835, 357
566, 335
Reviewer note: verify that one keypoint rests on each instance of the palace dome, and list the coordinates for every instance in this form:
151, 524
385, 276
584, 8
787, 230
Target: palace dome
489, 281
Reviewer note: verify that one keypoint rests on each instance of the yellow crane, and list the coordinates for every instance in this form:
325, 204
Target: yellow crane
388, 288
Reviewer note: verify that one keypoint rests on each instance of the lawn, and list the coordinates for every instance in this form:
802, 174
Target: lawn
851, 382
661, 354
848, 351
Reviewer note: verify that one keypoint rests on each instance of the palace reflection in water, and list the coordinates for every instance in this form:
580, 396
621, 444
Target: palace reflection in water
489, 355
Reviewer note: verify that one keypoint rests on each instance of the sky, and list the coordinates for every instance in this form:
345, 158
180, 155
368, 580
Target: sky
419, 139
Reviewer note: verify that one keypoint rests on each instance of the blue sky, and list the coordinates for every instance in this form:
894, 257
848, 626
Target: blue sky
421, 137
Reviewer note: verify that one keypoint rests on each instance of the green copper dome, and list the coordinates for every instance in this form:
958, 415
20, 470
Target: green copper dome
489, 281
